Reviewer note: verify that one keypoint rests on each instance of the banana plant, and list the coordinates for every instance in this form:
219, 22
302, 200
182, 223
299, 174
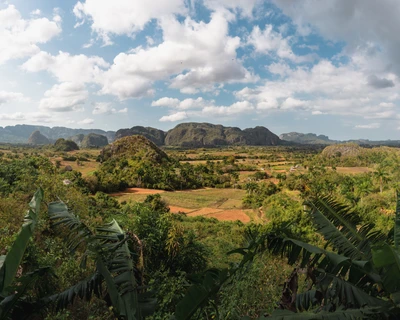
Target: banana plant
10, 263
108, 247
356, 275
359, 277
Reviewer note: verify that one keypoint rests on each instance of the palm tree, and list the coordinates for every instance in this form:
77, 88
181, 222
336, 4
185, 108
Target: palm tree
382, 175
251, 187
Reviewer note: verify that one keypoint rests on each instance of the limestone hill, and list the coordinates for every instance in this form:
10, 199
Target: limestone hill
343, 150
36, 138
306, 138
94, 140
155, 135
208, 135
133, 147
65, 145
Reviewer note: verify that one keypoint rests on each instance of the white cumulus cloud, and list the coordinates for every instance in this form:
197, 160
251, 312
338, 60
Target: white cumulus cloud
106, 108
270, 42
324, 88
185, 104
64, 97
197, 55
166, 102
366, 23
12, 116
20, 37
234, 109
6, 96
66, 67
127, 17
86, 121
177, 116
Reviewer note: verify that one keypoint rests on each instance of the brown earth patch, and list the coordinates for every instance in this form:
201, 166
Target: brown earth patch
273, 180
353, 170
176, 209
136, 191
230, 215
204, 212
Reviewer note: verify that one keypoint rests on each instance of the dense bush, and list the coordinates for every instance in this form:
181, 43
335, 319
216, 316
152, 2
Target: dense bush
65, 145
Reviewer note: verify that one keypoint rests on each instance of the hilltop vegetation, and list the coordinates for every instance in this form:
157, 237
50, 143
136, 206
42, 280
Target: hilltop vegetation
195, 135
135, 161
93, 140
155, 135
65, 145
134, 147
342, 150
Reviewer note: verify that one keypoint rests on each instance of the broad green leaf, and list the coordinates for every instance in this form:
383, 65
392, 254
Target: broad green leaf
25, 282
111, 286
123, 265
331, 233
388, 258
10, 263
199, 294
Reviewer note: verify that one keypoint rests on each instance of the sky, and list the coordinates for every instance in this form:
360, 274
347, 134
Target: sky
326, 67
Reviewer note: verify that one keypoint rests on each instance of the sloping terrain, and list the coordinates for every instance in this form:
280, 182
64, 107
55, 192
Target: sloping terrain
133, 147
194, 135
155, 135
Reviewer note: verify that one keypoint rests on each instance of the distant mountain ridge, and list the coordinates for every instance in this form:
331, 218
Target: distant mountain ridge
312, 138
20, 133
306, 138
190, 134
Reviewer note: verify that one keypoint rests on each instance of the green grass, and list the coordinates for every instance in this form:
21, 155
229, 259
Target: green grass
221, 198
205, 198
132, 197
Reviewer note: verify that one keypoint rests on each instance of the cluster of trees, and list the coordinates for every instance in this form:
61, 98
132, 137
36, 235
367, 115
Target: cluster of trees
256, 193
358, 156
65, 145
119, 173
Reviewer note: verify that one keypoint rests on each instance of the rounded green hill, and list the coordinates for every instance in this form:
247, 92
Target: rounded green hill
133, 147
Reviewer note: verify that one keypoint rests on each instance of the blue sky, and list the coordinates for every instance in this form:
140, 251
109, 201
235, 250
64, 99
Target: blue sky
308, 66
